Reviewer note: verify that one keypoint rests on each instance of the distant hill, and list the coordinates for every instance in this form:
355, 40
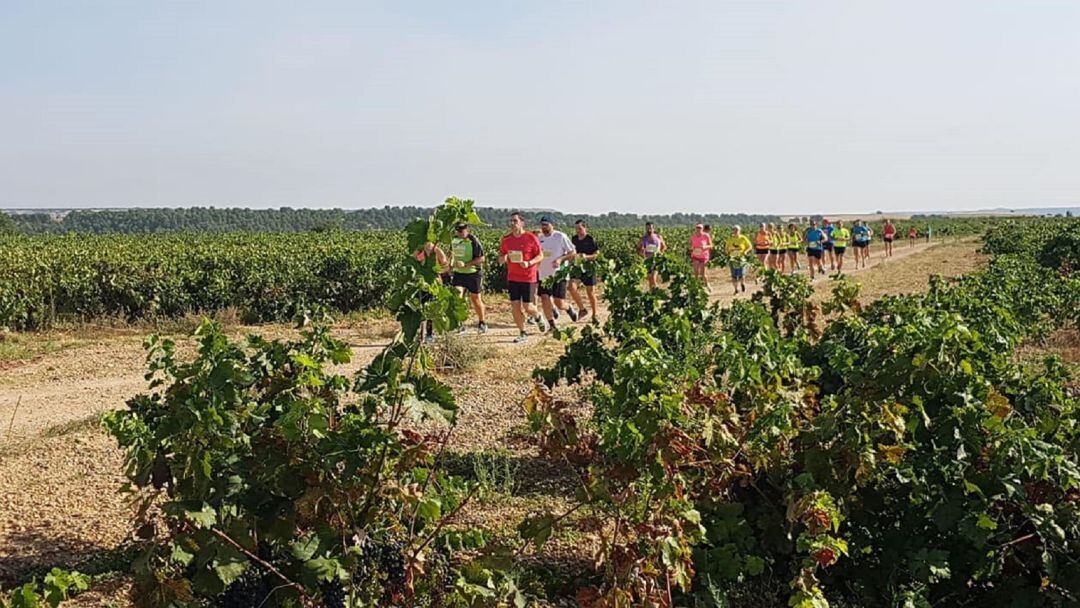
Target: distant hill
285, 219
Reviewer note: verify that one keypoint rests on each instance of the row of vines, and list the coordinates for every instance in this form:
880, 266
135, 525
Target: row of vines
897, 455
770, 453
262, 276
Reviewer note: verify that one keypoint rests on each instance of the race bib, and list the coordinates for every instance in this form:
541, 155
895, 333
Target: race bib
698, 252
652, 248
516, 257
813, 245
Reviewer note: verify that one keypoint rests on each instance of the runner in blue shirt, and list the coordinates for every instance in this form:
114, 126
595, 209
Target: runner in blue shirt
827, 227
815, 241
862, 235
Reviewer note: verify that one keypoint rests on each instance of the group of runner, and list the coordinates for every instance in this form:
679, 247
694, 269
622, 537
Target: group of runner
533, 259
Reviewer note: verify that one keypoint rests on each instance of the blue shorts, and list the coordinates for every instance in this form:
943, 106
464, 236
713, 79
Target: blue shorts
737, 272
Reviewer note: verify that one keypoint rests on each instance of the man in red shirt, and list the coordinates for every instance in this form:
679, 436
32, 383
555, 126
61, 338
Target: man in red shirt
520, 251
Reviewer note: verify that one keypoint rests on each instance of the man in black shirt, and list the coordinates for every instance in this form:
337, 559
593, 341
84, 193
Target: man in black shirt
587, 251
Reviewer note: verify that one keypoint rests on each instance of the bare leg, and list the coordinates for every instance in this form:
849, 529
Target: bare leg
519, 316
478, 306
591, 290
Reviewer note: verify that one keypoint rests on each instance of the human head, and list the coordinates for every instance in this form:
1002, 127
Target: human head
517, 223
762, 228
461, 230
813, 224
546, 224
581, 228
649, 228
735, 230
792, 227
824, 222
708, 229
699, 228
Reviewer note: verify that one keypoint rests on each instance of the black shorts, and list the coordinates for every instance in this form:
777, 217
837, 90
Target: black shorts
840, 250
774, 251
861, 244
814, 253
763, 251
521, 292
588, 279
888, 239
827, 246
472, 282
558, 290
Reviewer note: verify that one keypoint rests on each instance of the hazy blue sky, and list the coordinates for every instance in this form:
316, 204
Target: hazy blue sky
793, 106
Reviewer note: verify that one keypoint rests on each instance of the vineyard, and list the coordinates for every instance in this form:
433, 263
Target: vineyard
772, 452
263, 276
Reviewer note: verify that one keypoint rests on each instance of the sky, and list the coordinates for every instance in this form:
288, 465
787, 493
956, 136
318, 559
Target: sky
605, 105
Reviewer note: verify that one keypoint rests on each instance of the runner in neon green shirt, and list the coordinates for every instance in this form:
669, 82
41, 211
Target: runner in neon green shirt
841, 237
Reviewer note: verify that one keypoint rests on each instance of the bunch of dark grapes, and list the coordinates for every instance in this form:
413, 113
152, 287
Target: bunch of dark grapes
248, 591
389, 560
333, 594
440, 575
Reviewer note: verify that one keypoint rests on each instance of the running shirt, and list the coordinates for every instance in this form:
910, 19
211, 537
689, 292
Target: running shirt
585, 246
699, 244
523, 247
554, 245
912, 233
651, 244
862, 234
890, 230
841, 236
763, 239
828, 230
737, 245
813, 238
466, 250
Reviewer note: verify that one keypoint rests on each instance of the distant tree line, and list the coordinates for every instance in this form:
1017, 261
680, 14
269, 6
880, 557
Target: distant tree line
285, 219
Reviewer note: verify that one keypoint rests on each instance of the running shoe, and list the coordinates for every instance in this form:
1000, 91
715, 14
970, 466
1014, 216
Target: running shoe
573, 313
541, 325
481, 328
429, 339
556, 314
461, 330
531, 321
522, 338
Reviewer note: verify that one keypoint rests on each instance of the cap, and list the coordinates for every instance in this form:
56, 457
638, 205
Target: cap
460, 226
546, 219
699, 225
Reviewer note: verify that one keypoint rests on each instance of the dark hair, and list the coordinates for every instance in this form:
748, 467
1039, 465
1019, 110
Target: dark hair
581, 222
647, 224
517, 213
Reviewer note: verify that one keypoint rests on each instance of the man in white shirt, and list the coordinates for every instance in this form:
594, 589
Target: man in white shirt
557, 250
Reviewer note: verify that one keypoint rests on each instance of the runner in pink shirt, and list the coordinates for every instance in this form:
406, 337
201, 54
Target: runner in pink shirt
700, 249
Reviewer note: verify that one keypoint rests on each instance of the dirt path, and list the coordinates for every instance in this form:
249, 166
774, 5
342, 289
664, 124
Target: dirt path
59, 472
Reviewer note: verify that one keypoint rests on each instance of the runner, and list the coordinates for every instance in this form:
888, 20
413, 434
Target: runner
440, 266
521, 252
841, 236
794, 243
827, 245
587, 250
557, 250
774, 248
929, 233
889, 234
862, 234
779, 243
815, 238
762, 244
737, 246
651, 244
912, 234
700, 248
468, 265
